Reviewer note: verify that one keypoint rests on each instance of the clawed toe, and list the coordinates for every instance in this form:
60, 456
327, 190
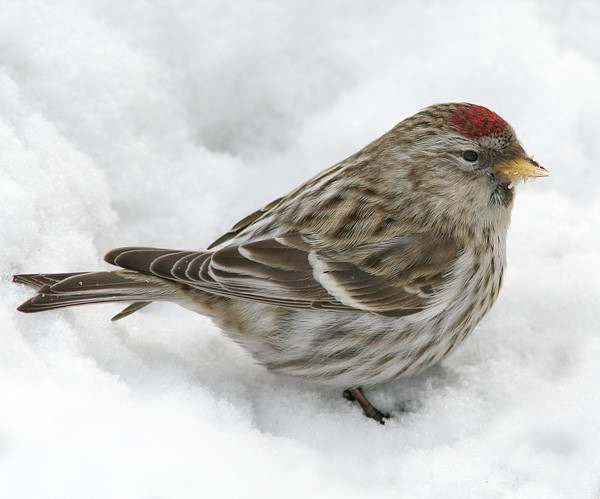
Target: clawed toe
356, 394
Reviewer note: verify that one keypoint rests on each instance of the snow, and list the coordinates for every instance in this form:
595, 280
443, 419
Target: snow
162, 124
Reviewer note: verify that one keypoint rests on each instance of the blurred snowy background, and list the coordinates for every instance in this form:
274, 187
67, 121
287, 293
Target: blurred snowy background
163, 123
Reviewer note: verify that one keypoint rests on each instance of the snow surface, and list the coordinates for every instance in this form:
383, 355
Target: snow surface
163, 123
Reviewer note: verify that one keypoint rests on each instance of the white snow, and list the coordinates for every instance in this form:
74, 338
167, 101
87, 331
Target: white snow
162, 124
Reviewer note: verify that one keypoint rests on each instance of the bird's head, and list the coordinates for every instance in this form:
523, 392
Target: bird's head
495, 148
462, 155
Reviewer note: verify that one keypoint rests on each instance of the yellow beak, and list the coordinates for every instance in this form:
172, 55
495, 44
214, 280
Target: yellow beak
520, 169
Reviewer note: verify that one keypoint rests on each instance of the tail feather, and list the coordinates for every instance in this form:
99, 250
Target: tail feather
127, 311
66, 290
36, 281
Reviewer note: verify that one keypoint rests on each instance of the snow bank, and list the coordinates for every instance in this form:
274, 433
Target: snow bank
136, 123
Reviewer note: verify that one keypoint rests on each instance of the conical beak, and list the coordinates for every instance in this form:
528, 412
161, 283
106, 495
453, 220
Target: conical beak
520, 169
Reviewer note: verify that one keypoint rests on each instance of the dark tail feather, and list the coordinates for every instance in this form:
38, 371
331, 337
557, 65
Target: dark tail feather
127, 311
67, 290
36, 281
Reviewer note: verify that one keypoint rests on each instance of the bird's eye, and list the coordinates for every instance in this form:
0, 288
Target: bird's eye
470, 155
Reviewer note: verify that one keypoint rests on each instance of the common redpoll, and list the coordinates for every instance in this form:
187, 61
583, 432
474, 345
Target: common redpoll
374, 269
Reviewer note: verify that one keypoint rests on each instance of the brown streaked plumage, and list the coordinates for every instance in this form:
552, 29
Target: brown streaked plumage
376, 268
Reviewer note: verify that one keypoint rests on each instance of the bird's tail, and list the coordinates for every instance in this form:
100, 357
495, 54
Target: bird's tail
67, 290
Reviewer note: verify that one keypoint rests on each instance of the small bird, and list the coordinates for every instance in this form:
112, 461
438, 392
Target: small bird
376, 268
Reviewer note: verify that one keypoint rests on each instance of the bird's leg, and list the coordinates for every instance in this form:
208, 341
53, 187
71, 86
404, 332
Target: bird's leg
356, 394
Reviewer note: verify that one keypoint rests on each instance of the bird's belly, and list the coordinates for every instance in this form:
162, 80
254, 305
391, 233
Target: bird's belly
349, 349
345, 349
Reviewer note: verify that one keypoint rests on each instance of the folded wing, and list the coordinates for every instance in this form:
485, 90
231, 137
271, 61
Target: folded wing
394, 277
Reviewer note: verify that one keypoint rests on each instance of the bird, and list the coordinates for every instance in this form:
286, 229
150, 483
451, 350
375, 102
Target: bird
374, 269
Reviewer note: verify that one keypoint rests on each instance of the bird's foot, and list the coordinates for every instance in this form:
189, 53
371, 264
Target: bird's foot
356, 394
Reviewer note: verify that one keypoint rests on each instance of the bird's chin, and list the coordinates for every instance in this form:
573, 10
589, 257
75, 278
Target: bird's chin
503, 195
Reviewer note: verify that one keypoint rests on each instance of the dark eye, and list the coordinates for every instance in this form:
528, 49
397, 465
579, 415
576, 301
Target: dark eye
470, 155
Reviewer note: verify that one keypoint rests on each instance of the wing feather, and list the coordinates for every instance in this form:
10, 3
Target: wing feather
394, 277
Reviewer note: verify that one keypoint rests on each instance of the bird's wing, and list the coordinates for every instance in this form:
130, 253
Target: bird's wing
394, 277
